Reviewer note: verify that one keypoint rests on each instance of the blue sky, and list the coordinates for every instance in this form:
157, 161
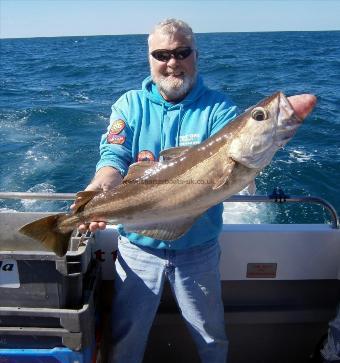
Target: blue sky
32, 18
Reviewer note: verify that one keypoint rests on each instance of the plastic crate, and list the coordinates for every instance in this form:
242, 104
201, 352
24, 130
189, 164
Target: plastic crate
48, 328
41, 279
55, 355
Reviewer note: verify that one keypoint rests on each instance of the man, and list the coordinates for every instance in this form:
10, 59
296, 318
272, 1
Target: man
174, 108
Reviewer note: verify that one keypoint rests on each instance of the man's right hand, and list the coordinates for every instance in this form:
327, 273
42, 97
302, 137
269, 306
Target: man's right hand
106, 178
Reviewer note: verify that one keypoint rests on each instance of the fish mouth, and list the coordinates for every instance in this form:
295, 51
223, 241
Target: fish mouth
288, 121
286, 106
302, 104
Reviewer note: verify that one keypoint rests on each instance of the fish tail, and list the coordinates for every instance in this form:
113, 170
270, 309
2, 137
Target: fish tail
46, 230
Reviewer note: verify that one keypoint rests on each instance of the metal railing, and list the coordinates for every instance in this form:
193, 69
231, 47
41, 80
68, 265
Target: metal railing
278, 196
38, 196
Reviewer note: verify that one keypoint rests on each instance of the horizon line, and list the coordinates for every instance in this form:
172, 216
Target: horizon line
196, 33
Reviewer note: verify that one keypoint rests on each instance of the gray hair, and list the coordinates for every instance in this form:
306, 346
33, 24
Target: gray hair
171, 26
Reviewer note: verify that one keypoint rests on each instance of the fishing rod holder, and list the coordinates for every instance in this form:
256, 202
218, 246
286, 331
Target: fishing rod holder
278, 196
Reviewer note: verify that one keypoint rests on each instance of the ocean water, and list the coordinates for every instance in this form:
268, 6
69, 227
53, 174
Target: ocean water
56, 95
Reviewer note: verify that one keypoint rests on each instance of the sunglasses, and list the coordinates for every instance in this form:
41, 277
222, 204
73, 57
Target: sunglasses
164, 55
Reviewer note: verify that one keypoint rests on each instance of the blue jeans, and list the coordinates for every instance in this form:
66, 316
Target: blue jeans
194, 278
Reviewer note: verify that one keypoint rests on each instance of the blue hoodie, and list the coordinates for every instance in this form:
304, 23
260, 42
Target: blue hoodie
142, 124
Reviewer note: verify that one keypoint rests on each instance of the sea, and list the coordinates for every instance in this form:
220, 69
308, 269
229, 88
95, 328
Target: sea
56, 95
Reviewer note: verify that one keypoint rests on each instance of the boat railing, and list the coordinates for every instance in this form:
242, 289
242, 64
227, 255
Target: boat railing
278, 196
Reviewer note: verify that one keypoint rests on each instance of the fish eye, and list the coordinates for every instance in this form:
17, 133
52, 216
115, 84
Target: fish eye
259, 114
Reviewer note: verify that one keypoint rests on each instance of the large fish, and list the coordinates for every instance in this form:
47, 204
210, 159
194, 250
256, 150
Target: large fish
163, 199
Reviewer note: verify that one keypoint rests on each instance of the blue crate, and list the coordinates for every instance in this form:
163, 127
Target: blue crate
55, 355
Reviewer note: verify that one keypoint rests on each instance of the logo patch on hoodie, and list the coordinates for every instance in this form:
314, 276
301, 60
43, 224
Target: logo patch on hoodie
117, 127
115, 139
189, 139
145, 155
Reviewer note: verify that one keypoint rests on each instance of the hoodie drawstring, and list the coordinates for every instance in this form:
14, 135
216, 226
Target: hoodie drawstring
180, 120
162, 122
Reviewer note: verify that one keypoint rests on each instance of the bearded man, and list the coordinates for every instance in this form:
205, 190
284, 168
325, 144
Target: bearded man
174, 108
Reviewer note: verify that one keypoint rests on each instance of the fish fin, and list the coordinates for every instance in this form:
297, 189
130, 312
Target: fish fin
166, 231
44, 230
173, 152
220, 182
251, 188
137, 170
226, 172
82, 198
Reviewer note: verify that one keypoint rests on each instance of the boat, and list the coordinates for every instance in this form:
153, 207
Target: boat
280, 284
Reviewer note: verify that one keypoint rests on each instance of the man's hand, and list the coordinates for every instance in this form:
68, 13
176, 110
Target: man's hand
105, 179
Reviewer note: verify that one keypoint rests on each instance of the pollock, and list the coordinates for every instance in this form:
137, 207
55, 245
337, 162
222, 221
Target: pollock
163, 199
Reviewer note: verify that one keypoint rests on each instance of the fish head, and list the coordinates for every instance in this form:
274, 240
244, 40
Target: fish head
266, 127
